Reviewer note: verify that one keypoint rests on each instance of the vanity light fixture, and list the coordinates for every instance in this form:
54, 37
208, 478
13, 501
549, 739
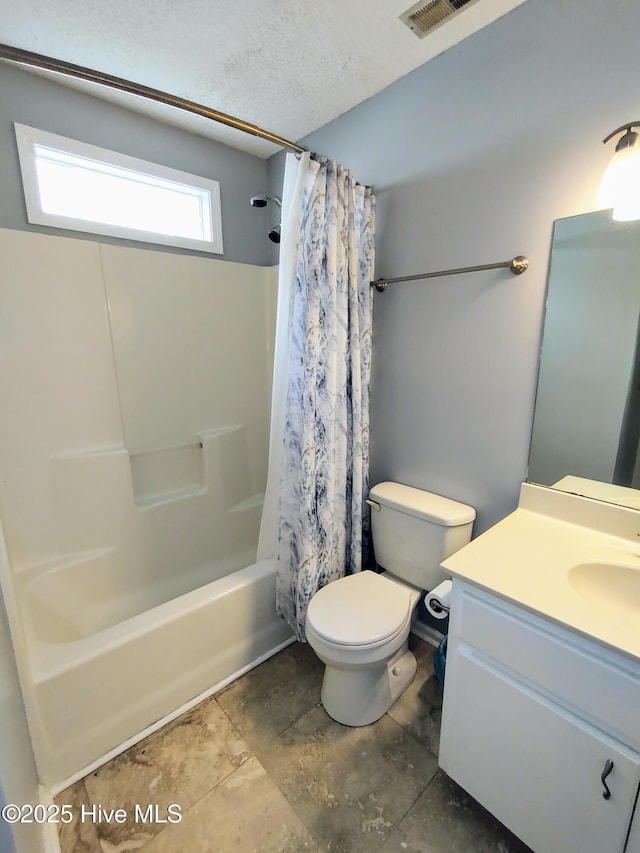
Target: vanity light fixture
620, 185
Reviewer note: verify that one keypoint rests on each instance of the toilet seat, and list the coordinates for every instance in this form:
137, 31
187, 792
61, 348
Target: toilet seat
364, 610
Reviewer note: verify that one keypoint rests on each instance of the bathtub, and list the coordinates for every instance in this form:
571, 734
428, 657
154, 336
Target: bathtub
107, 668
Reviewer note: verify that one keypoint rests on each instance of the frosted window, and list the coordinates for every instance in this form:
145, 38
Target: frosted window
72, 185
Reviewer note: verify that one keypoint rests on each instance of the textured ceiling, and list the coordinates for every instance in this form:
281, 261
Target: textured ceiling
289, 66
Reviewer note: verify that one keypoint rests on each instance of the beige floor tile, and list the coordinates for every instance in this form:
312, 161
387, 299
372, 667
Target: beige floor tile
177, 765
80, 835
350, 786
445, 819
246, 813
419, 709
313, 784
265, 701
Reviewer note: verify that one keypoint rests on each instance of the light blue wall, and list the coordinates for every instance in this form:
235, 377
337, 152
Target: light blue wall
473, 157
38, 102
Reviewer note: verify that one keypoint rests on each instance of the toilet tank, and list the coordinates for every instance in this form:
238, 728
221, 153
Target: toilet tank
414, 531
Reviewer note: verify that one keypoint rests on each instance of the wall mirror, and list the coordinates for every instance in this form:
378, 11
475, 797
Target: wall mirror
586, 426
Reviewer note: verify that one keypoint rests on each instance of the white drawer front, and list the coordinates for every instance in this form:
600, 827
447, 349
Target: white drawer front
576, 672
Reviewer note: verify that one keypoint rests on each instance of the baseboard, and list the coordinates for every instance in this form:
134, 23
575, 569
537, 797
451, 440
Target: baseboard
426, 633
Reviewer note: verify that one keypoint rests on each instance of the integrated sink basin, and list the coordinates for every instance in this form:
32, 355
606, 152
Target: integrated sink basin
570, 559
608, 585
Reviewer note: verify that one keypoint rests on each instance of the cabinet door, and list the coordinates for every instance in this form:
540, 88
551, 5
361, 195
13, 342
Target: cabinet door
633, 844
532, 764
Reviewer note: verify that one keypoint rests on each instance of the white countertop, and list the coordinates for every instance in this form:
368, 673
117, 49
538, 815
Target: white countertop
526, 558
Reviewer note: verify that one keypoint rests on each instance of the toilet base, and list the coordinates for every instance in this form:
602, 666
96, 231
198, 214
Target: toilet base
358, 697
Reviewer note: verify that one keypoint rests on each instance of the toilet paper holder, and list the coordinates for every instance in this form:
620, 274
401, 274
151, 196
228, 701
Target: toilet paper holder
438, 606
437, 600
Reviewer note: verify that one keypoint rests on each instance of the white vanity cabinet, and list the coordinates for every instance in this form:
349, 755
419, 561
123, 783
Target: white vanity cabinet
533, 716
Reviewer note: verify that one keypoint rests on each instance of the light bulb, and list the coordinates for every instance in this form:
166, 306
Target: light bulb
620, 185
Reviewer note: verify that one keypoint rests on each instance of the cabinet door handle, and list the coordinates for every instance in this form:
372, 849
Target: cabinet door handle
608, 767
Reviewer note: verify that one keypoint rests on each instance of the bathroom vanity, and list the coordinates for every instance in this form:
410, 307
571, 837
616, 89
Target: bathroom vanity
541, 714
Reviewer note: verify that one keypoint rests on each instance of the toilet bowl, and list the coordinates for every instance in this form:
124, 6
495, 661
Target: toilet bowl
359, 628
359, 625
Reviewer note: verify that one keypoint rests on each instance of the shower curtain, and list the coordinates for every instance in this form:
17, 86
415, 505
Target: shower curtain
320, 418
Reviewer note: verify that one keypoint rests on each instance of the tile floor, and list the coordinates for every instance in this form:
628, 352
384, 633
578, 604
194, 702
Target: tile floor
260, 767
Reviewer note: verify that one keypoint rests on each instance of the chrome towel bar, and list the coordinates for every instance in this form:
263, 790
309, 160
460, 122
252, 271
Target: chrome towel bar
517, 265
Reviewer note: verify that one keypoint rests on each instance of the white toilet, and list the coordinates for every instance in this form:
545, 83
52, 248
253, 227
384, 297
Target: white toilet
359, 625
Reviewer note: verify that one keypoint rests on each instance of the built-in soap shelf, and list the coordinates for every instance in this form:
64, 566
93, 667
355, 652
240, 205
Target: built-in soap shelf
252, 502
215, 457
168, 474
91, 452
168, 497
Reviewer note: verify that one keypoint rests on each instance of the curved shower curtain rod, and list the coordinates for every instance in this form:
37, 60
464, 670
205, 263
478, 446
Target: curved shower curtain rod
38, 60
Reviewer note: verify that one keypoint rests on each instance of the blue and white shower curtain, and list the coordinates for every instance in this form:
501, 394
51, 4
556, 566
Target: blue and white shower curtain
324, 421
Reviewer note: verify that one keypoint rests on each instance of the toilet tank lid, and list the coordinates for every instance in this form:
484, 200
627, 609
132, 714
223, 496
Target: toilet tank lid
421, 504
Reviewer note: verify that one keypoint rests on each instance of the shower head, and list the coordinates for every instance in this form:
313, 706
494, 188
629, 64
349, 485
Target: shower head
263, 199
274, 234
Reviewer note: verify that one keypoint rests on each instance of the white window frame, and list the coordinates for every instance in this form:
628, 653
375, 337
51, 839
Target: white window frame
29, 137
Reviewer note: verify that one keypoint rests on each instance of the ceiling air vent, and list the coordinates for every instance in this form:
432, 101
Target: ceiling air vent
423, 18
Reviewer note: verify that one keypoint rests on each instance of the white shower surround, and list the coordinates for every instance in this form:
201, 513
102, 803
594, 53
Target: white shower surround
134, 450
